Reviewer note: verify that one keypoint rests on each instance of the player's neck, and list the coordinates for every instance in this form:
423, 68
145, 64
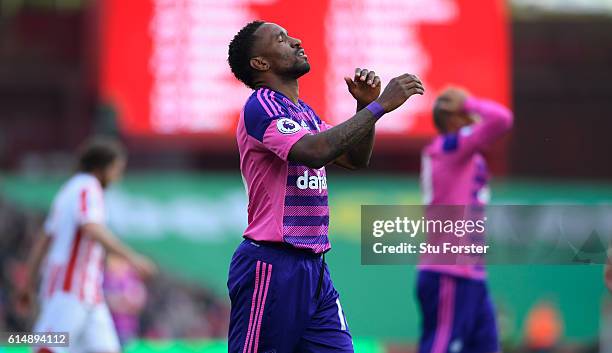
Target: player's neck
98, 175
289, 89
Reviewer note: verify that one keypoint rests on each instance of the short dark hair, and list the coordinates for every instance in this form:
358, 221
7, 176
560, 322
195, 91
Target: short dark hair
98, 153
239, 53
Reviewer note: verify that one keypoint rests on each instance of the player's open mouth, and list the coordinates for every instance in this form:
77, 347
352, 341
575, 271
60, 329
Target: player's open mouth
302, 54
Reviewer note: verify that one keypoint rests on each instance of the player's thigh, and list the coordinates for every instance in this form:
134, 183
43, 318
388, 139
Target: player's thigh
449, 305
484, 337
269, 303
328, 329
63, 312
437, 310
427, 292
99, 334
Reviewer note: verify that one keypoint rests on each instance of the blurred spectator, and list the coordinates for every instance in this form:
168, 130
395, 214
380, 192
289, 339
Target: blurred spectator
126, 296
168, 309
543, 328
16, 227
177, 309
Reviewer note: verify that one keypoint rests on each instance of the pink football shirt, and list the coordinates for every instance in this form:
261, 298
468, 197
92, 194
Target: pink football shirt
287, 200
454, 172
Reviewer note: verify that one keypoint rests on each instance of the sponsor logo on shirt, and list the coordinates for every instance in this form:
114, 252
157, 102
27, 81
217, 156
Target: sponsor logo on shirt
312, 182
287, 126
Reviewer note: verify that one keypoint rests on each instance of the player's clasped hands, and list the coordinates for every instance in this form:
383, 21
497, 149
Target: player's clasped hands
399, 90
364, 86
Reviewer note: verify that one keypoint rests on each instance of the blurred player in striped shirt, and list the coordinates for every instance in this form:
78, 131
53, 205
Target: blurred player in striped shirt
73, 245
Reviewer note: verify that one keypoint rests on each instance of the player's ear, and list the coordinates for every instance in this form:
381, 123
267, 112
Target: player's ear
260, 64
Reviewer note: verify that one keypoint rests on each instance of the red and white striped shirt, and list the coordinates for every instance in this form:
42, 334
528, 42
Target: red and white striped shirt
75, 262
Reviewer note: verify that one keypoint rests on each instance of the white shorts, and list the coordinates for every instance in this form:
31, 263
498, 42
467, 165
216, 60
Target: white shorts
90, 326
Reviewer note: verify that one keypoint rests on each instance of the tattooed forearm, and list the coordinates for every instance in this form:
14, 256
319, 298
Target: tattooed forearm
349, 133
359, 156
318, 150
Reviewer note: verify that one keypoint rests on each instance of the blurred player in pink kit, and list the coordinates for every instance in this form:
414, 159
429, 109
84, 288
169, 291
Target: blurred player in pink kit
73, 245
457, 312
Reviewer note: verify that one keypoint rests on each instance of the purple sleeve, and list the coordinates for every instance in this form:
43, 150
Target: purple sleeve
496, 120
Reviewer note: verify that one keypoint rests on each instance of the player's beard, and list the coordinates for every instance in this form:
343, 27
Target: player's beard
298, 70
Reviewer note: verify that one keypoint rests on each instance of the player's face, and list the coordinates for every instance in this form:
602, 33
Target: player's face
113, 172
283, 54
460, 120
456, 117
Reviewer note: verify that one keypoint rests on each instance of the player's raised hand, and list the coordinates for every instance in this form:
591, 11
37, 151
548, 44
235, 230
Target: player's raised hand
399, 90
364, 86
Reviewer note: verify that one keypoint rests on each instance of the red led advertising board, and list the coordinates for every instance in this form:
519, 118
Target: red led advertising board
164, 62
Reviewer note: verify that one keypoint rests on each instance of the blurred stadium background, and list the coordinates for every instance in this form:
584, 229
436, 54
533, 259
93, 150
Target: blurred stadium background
154, 73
